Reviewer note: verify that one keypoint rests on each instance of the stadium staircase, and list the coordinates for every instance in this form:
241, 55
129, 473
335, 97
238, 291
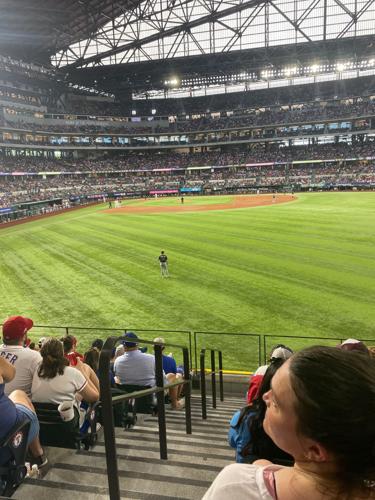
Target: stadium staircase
193, 460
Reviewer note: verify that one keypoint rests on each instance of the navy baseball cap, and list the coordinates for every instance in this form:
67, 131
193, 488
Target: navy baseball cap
130, 335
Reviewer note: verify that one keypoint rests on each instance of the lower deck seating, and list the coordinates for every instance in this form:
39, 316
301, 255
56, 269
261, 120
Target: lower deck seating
55, 432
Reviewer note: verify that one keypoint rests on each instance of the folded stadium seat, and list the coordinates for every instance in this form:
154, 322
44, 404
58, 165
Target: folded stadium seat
55, 432
12, 454
131, 407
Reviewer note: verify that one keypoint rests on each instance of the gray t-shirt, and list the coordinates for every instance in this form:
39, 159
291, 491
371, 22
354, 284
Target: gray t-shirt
135, 367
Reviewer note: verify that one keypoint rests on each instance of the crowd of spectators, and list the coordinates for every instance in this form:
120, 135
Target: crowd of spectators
242, 118
15, 189
146, 161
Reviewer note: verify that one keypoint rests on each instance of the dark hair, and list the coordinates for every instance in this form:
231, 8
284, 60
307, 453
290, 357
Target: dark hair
98, 344
335, 406
68, 343
91, 358
14, 341
53, 361
261, 445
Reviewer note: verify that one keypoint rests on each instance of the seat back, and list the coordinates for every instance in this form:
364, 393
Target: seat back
143, 404
13, 449
54, 431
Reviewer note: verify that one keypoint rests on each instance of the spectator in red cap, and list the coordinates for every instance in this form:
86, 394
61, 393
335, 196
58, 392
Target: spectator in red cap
24, 360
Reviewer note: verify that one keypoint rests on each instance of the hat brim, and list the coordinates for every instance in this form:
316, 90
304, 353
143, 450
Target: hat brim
28, 323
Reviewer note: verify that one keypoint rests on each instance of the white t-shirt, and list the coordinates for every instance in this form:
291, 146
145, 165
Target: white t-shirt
242, 482
58, 389
25, 362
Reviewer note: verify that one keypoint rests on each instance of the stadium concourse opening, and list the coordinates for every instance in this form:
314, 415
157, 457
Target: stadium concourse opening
236, 202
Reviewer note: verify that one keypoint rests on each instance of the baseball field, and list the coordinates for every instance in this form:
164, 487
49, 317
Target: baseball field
305, 267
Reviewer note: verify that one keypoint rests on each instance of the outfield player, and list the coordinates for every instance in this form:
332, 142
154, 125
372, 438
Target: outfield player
163, 260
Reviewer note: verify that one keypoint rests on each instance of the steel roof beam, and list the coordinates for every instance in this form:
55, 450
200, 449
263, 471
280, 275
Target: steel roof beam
186, 27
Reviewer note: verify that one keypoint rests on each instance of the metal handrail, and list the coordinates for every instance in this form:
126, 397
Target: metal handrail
213, 379
193, 338
108, 401
340, 340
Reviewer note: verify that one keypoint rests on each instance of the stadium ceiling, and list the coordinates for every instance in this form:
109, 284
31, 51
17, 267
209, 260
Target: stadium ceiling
33, 30
155, 30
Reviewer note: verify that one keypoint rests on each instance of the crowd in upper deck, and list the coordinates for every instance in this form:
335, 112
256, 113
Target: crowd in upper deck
259, 153
278, 115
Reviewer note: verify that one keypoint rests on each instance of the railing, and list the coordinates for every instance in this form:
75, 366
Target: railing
258, 345
108, 402
213, 379
300, 342
256, 337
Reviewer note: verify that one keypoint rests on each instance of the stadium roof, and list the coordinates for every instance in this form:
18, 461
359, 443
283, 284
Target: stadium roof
118, 45
33, 30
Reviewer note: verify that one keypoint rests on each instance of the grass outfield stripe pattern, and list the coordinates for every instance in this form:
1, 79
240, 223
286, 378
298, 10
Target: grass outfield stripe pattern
301, 268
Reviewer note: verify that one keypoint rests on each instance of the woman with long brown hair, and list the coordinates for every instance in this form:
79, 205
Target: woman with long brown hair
56, 382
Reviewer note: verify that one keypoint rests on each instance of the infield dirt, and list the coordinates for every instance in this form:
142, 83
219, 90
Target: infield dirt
237, 202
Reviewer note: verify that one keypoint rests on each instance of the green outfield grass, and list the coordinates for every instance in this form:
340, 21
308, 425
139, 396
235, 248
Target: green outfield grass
305, 268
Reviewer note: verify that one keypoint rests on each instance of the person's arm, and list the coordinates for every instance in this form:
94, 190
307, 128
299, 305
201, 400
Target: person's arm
92, 376
7, 371
89, 393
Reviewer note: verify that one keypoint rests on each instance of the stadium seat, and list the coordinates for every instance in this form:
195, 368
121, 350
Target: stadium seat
138, 405
55, 432
14, 446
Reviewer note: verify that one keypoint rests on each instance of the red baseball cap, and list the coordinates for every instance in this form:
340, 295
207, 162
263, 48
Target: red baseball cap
15, 327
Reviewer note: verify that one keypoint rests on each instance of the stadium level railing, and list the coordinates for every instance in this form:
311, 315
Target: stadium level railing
193, 338
253, 336
256, 345
108, 402
295, 342
213, 374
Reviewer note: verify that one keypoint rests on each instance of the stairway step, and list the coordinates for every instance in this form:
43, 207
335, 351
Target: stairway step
175, 448
173, 451
173, 437
140, 482
143, 430
32, 489
165, 469
175, 460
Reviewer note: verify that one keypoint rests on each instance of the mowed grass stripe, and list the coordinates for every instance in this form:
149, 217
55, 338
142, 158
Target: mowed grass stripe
299, 268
